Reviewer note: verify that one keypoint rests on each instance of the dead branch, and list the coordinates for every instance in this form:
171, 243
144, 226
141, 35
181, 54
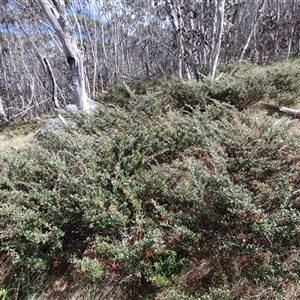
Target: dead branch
54, 85
282, 109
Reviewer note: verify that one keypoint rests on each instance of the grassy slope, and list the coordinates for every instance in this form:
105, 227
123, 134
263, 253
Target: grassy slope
18, 135
164, 193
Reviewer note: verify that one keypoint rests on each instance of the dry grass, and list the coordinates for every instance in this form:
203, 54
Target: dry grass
61, 289
17, 141
6, 266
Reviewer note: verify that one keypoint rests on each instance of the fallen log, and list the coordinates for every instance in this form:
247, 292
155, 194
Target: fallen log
282, 109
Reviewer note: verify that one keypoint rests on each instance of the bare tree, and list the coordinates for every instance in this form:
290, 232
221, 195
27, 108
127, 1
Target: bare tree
111, 42
56, 13
174, 8
218, 25
3, 117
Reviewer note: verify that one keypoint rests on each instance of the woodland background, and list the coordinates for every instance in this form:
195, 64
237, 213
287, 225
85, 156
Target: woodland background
125, 40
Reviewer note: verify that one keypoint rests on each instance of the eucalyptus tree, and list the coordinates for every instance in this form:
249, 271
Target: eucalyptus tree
197, 28
279, 30
217, 32
56, 13
105, 42
123, 40
22, 72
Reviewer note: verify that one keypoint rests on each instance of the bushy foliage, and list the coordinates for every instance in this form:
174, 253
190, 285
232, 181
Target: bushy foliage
148, 196
249, 84
277, 83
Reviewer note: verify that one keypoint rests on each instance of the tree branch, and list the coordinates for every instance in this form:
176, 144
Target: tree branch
54, 85
289, 111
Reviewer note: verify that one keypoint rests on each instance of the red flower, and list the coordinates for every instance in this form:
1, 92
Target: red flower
101, 261
243, 214
55, 264
113, 267
282, 285
164, 218
148, 253
243, 259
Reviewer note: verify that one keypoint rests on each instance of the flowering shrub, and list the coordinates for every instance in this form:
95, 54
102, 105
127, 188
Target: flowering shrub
151, 197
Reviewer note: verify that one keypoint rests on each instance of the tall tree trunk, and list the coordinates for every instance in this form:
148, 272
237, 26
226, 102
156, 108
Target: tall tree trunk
3, 117
174, 11
55, 11
217, 37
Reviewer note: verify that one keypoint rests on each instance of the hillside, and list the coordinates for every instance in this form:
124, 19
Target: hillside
170, 190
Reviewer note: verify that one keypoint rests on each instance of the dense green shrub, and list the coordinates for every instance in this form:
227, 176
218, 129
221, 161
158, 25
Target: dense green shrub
149, 196
276, 83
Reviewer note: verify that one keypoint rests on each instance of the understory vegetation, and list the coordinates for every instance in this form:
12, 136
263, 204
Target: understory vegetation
170, 190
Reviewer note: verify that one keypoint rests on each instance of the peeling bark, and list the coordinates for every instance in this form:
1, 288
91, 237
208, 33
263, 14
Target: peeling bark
56, 13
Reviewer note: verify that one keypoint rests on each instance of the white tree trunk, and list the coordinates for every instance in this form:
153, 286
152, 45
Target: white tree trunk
56, 13
217, 37
2, 112
177, 22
